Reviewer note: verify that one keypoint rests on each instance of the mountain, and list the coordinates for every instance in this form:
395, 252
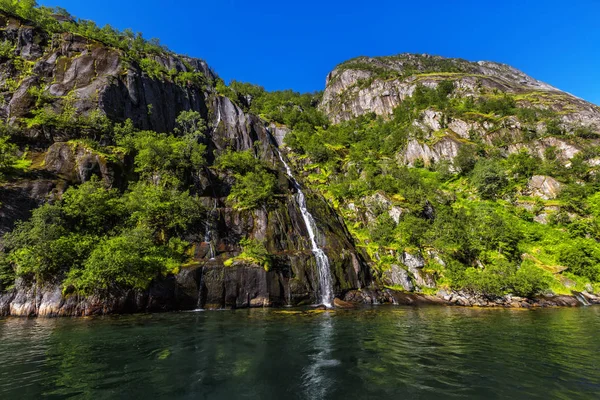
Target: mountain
144, 183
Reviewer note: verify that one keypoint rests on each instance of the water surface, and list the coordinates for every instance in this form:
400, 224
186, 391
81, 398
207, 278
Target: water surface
375, 353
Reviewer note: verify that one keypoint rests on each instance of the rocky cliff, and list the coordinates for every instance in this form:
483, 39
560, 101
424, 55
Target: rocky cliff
431, 180
379, 85
69, 76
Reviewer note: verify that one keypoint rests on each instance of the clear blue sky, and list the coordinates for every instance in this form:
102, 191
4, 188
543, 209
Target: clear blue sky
294, 44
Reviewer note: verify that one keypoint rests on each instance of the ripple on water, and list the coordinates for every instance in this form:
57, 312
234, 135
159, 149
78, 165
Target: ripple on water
383, 352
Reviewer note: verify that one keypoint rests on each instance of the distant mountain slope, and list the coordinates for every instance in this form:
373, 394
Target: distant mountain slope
379, 84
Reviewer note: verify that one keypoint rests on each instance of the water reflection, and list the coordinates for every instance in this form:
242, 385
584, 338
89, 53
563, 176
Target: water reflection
383, 352
315, 379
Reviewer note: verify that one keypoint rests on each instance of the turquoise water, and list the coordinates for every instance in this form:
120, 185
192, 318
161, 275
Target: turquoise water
375, 353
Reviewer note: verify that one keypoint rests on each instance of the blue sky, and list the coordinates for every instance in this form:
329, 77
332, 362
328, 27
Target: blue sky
285, 44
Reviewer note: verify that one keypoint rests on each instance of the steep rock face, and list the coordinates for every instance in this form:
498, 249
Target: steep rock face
284, 233
77, 164
91, 76
88, 78
17, 199
379, 84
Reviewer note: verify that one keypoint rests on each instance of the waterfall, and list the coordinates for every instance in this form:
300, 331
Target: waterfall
325, 286
207, 232
581, 299
200, 287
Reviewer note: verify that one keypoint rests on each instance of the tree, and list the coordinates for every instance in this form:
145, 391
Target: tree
383, 229
465, 159
523, 165
8, 152
190, 123
91, 207
162, 158
489, 178
130, 260
582, 257
26, 8
252, 190
30, 243
531, 280
166, 212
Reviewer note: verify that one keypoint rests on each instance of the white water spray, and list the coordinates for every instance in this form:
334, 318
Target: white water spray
325, 286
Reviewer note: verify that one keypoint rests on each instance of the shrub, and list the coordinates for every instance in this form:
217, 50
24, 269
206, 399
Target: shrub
465, 159
166, 212
256, 252
582, 257
8, 152
130, 260
554, 128
93, 208
383, 229
531, 280
502, 106
7, 273
489, 178
253, 190
523, 165
163, 158
255, 184
30, 243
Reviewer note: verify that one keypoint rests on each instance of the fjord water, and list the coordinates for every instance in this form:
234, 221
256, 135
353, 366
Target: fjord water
385, 352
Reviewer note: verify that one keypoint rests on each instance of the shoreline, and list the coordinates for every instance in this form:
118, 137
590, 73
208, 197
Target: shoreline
20, 304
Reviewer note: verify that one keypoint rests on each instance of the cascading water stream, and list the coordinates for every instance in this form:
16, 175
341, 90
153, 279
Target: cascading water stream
207, 232
325, 285
581, 299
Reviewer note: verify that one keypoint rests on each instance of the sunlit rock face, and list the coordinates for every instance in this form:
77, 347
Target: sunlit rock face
91, 79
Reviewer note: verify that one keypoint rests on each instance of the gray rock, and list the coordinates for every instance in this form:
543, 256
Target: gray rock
398, 276
544, 187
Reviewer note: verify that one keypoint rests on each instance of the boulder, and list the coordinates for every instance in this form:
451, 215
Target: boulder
338, 303
398, 277
544, 187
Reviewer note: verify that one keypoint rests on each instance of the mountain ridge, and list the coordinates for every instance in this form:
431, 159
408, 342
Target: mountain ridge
428, 182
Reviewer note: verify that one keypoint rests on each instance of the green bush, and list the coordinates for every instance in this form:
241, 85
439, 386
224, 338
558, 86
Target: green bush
30, 243
164, 158
531, 280
153, 69
76, 235
582, 257
8, 150
523, 165
256, 252
466, 159
166, 212
383, 229
255, 183
130, 260
92, 208
489, 178
252, 190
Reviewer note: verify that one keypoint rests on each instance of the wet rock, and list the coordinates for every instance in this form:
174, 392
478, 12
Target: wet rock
279, 133
338, 303
556, 301
18, 199
77, 163
398, 276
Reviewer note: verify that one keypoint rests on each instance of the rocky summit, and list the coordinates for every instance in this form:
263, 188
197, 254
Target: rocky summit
134, 179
